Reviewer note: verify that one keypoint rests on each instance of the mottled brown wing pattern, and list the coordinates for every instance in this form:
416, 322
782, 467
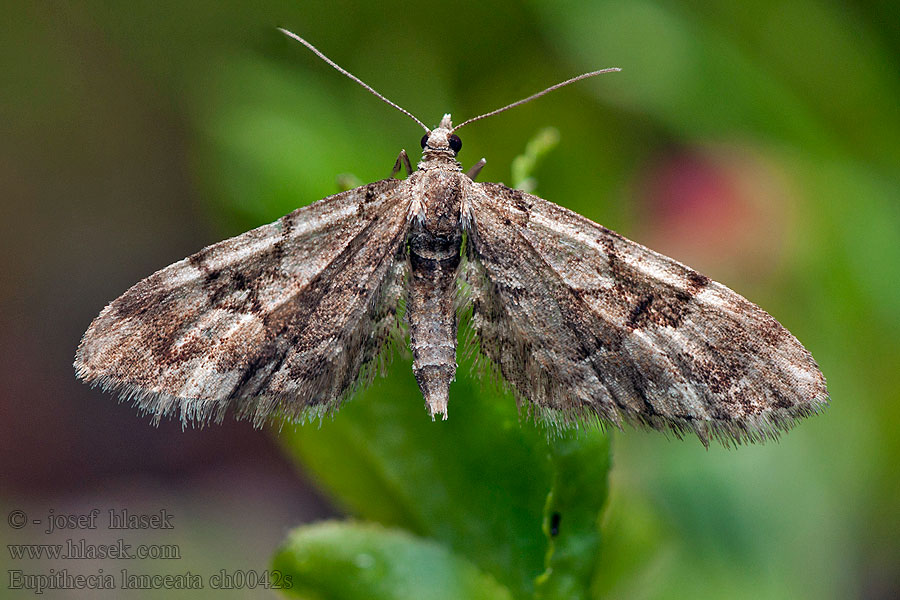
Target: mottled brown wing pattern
584, 323
290, 316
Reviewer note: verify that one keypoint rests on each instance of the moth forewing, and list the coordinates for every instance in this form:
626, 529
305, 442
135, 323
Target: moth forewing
285, 316
586, 323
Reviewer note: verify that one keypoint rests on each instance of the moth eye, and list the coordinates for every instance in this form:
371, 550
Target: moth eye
425, 139
455, 143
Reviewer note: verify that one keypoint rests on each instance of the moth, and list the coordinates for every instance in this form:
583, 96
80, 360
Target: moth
583, 324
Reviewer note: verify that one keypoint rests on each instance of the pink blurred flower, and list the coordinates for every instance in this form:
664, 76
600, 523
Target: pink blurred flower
721, 209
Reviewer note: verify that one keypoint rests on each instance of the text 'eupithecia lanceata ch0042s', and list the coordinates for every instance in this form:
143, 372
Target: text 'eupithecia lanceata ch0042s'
291, 318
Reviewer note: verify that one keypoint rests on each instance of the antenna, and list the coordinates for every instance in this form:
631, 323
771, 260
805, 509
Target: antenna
351, 76
340, 69
538, 95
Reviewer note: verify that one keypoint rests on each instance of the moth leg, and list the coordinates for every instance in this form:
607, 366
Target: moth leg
473, 172
402, 159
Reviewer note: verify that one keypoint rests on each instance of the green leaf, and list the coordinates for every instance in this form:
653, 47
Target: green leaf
477, 482
572, 515
523, 165
356, 560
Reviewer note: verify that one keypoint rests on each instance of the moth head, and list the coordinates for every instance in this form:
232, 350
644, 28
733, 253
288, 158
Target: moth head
442, 139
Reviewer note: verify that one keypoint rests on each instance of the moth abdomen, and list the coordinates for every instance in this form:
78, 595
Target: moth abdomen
434, 257
432, 325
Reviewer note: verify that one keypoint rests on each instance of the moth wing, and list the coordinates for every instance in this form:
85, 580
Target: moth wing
584, 323
289, 316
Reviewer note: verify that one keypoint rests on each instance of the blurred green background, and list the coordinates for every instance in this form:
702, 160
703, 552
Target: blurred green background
757, 142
